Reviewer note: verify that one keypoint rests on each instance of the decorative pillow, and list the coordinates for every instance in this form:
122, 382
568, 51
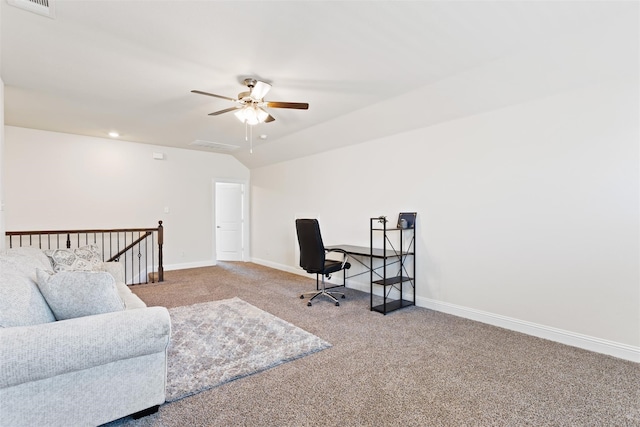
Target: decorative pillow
85, 258
73, 294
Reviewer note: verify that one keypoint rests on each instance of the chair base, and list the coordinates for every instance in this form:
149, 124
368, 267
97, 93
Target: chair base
323, 292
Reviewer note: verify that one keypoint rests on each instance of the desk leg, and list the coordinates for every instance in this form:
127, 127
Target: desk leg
371, 277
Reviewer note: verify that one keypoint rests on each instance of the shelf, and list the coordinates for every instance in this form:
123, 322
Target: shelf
396, 265
389, 253
392, 305
389, 281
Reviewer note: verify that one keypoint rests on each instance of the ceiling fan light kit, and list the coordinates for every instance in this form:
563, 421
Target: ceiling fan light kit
251, 105
251, 115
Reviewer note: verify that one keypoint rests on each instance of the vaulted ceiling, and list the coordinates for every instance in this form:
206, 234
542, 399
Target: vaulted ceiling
367, 69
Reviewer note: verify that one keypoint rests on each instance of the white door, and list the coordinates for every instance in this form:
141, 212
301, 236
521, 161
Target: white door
229, 221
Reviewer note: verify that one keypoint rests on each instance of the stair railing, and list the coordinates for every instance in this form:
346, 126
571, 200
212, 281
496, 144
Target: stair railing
139, 249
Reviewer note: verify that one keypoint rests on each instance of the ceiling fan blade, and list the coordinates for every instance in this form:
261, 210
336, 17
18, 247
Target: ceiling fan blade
226, 110
269, 119
212, 94
259, 90
296, 105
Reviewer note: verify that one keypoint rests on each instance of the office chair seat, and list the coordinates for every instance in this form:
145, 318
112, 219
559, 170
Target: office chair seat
331, 266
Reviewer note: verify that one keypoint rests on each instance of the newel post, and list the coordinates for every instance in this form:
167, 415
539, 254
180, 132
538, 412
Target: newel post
160, 242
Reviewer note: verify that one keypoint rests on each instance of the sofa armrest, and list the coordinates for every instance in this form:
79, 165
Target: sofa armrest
31, 353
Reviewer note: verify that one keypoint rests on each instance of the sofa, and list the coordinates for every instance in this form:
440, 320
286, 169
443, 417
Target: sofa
77, 347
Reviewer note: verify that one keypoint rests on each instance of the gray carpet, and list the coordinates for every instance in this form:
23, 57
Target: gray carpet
215, 342
413, 367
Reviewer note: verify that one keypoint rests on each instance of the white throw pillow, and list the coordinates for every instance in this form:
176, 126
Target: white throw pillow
73, 294
85, 258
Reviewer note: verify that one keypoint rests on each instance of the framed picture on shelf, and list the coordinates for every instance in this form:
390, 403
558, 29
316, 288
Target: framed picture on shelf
407, 220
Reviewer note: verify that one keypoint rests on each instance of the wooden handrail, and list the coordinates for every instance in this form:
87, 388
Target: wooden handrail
111, 230
117, 256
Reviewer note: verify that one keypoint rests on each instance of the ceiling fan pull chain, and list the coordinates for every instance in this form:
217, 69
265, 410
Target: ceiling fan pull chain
250, 139
248, 135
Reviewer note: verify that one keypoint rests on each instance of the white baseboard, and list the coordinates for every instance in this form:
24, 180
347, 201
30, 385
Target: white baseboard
186, 265
295, 270
586, 342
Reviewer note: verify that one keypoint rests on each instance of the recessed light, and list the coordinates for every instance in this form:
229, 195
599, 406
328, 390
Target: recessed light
114, 134
263, 136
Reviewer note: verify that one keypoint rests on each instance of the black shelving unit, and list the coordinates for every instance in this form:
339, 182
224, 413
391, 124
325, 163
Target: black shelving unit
398, 261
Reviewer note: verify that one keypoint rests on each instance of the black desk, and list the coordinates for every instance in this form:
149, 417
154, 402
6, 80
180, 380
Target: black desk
376, 261
363, 251
366, 253
364, 256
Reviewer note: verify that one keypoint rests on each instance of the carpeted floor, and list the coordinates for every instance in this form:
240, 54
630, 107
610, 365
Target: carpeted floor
413, 367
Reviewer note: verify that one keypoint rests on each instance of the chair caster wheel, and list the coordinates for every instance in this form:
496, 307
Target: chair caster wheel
337, 304
301, 296
309, 304
343, 297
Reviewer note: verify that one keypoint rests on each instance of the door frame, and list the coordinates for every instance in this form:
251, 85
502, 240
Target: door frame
246, 238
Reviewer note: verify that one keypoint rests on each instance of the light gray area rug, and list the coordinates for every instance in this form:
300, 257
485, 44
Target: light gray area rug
215, 342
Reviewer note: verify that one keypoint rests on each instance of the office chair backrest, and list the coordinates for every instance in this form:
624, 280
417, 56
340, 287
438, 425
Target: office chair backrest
312, 255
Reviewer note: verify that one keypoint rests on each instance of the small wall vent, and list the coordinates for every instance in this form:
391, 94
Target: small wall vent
41, 7
215, 145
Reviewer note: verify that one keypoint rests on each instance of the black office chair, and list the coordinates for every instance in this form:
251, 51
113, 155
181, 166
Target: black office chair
313, 260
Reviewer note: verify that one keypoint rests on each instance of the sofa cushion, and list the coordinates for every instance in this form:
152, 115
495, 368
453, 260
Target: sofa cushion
73, 294
27, 259
116, 269
130, 299
85, 258
21, 303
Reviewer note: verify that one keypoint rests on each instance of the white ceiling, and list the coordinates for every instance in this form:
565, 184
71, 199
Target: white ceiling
367, 69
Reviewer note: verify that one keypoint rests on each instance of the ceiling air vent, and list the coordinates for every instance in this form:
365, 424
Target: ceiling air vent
41, 7
215, 145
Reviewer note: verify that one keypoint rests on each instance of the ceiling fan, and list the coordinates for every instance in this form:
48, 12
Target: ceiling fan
250, 108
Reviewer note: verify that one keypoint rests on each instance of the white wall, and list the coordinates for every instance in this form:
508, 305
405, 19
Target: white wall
527, 215
61, 181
